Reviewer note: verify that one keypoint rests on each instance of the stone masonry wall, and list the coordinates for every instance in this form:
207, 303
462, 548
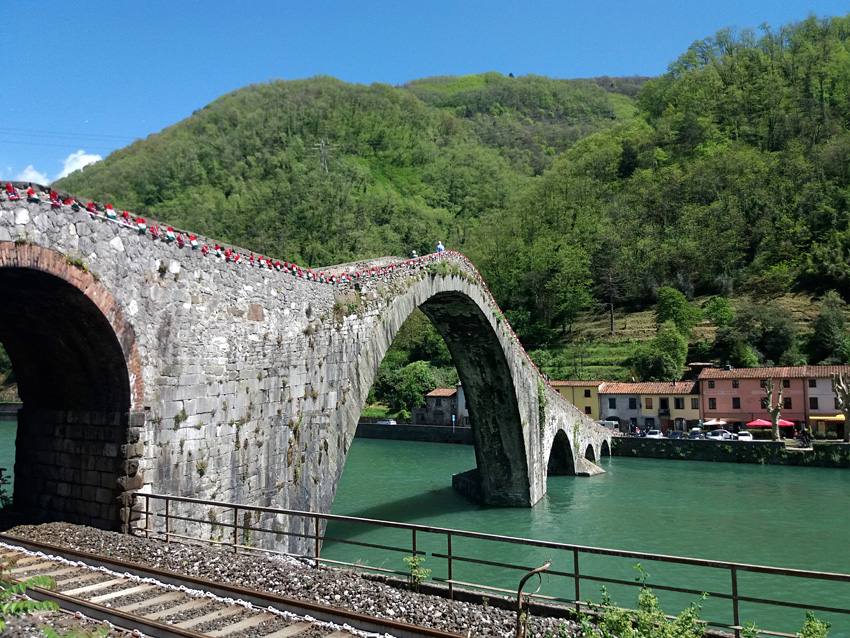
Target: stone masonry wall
253, 380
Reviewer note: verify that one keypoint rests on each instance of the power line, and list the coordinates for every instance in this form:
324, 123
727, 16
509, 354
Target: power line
32, 133
65, 145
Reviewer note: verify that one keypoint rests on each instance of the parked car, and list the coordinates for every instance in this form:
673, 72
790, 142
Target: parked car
696, 433
675, 434
386, 422
654, 434
745, 436
719, 435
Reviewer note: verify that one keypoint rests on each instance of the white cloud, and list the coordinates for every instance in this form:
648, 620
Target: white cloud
76, 161
29, 174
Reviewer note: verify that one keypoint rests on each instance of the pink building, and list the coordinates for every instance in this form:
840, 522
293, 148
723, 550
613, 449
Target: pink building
738, 394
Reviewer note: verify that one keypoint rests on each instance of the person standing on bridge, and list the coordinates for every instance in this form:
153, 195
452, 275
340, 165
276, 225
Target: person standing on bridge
440, 247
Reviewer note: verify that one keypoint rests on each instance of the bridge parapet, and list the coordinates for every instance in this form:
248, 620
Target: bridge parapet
245, 384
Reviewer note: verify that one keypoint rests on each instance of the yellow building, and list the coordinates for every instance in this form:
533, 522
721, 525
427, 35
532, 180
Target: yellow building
582, 394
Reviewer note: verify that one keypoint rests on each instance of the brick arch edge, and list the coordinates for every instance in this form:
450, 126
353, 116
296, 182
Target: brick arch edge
31, 256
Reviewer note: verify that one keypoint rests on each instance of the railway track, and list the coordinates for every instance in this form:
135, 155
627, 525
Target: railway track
160, 603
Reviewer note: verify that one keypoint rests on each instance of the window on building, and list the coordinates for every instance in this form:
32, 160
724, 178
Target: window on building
587, 409
734, 383
712, 404
764, 403
763, 383
786, 383
786, 403
439, 402
711, 383
813, 383
587, 394
813, 403
679, 403
664, 403
648, 403
612, 403
632, 403
736, 403
694, 404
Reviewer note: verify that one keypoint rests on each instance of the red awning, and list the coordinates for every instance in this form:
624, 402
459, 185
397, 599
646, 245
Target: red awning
759, 423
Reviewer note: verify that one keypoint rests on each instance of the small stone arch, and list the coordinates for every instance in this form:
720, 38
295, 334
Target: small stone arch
79, 377
590, 453
561, 458
605, 449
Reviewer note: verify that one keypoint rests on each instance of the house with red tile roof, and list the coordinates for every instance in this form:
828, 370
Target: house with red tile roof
440, 405
738, 395
651, 405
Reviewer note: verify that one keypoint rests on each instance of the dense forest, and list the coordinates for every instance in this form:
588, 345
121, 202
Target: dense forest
728, 175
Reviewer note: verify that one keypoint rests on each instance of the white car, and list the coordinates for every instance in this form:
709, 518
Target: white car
386, 422
719, 435
654, 434
745, 436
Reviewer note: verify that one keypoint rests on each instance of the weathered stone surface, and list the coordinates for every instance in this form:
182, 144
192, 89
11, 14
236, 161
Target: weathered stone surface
240, 384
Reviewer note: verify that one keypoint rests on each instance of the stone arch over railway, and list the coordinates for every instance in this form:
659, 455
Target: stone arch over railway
76, 363
193, 372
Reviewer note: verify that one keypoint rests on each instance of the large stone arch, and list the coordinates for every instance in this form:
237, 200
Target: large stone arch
78, 372
479, 354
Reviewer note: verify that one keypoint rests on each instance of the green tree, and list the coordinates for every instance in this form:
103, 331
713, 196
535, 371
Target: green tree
673, 306
830, 342
719, 311
662, 358
405, 388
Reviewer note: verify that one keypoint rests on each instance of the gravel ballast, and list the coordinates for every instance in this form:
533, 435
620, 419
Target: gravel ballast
340, 588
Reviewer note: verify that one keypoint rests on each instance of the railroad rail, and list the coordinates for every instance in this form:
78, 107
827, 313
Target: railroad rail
165, 604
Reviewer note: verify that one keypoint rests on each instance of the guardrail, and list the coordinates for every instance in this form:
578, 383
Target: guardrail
162, 521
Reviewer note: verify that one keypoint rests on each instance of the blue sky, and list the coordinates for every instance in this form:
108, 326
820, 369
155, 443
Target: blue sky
83, 78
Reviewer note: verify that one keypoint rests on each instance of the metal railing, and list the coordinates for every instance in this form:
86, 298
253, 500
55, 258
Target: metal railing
163, 522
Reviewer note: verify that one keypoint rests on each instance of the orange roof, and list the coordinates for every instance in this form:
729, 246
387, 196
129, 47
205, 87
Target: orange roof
442, 392
650, 387
573, 384
788, 372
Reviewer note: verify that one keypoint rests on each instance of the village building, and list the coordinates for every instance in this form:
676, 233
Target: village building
582, 394
440, 406
651, 405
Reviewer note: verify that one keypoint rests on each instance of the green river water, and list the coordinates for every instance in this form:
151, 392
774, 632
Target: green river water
767, 515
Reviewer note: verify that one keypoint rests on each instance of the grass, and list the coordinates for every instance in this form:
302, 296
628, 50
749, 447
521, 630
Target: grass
605, 352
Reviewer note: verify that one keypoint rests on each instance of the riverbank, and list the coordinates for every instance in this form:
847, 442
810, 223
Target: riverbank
832, 455
419, 433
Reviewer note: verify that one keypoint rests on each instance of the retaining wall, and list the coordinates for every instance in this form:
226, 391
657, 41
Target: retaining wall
835, 455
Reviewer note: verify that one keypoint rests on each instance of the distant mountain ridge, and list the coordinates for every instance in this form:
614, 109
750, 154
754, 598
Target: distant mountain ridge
727, 173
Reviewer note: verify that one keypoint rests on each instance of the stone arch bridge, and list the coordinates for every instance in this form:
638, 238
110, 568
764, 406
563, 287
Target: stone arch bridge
144, 366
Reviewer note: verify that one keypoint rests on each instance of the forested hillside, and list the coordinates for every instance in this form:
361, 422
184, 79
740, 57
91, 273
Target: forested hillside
728, 174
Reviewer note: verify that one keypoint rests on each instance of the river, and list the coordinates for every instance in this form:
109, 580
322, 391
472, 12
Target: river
757, 514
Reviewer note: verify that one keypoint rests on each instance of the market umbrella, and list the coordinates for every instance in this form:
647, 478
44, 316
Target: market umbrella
784, 423
759, 423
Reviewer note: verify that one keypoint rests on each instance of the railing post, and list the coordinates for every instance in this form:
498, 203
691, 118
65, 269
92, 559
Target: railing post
735, 615
147, 516
451, 572
578, 581
167, 520
235, 529
318, 541
414, 541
